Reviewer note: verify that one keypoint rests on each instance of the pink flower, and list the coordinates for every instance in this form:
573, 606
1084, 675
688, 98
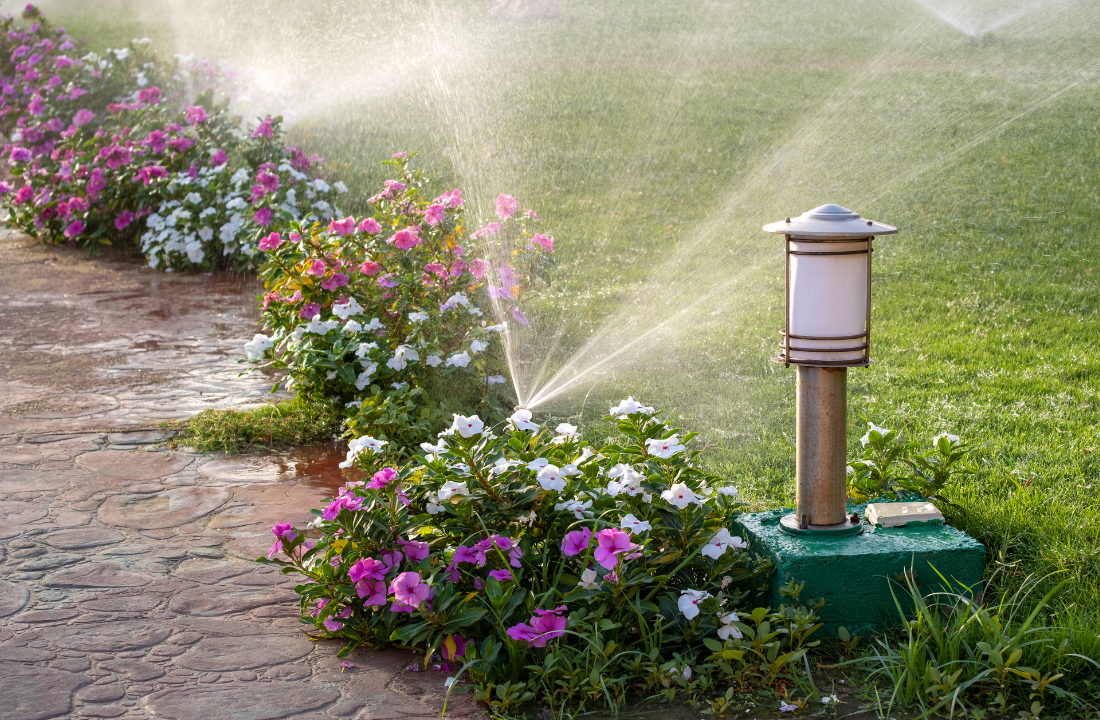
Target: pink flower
472, 555
368, 568
549, 624
458, 650
19, 154
317, 268
382, 478
83, 117
262, 217
271, 242
576, 542
546, 243
531, 214
218, 158
415, 551
491, 229
611, 542
518, 315
337, 280
156, 142
269, 181
37, 106
373, 592
75, 228
181, 144
408, 590
123, 220
370, 268
405, 239
195, 114
452, 199
523, 633
309, 310
295, 237
392, 559
332, 625
506, 206
275, 549
149, 96
149, 173
479, 267
437, 268
342, 227
387, 280
434, 214
116, 156
24, 194
264, 129
501, 575
369, 226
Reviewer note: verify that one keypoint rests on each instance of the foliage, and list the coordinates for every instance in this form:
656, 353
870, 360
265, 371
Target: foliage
960, 657
384, 315
277, 425
106, 144
546, 570
892, 468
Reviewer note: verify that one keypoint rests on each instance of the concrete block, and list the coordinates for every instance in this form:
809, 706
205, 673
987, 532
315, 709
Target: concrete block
855, 574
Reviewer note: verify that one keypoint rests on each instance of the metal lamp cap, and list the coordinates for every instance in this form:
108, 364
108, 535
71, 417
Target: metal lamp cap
830, 221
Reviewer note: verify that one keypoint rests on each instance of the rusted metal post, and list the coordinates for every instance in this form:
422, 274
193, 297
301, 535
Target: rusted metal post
822, 411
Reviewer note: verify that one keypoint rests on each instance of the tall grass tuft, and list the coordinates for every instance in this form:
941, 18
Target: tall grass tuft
960, 657
274, 426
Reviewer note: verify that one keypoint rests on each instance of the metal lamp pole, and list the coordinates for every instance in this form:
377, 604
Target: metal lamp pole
827, 329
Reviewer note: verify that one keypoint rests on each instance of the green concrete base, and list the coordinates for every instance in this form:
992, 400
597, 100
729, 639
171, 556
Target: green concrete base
854, 574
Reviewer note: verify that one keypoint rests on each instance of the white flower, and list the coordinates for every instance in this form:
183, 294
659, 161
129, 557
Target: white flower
364, 349
727, 630
474, 311
953, 439
206, 234
340, 186
537, 464
457, 299
354, 404
461, 359
207, 212
502, 466
575, 506
478, 346
364, 377
629, 480
438, 448
321, 185
399, 385
866, 439
352, 326
362, 444
452, 488
689, 602
297, 333
193, 197
236, 204
717, 545
521, 420
346, 310
495, 380
729, 491
570, 470
397, 362
785, 706
664, 448
374, 324
635, 525
254, 349
566, 433
679, 495
433, 506
830, 700
551, 479
588, 580
321, 327
449, 681
403, 355
330, 374
495, 328
629, 407
468, 426
418, 316
433, 360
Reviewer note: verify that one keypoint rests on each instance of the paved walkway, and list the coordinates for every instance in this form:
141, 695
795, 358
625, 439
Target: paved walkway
126, 582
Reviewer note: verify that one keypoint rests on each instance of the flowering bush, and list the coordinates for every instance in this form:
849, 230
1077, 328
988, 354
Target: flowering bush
544, 568
383, 314
892, 468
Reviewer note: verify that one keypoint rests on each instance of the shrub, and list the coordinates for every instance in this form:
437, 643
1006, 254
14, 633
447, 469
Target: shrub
278, 425
892, 468
545, 569
384, 315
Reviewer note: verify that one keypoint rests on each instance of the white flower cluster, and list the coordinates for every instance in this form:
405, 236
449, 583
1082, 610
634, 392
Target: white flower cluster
181, 231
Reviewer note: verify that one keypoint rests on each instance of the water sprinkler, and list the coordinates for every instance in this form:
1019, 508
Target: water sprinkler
827, 329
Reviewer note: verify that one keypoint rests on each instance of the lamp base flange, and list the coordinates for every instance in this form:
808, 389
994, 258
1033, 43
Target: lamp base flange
790, 524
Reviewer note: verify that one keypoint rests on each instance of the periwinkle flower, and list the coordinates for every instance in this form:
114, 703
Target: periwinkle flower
576, 542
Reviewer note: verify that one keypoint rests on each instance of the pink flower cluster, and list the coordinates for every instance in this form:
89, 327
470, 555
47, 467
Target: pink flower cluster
545, 625
610, 543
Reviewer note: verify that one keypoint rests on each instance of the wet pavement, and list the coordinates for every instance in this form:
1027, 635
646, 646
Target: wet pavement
127, 587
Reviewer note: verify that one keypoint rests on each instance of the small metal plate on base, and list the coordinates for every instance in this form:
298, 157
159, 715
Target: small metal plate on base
898, 514
789, 523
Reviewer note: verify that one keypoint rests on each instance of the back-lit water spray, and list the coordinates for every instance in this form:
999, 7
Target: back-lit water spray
584, 118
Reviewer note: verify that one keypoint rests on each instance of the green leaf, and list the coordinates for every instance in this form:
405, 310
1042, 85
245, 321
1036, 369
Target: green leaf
712, 644
465, 617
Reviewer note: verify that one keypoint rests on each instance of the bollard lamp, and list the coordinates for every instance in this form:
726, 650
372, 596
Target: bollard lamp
827, 329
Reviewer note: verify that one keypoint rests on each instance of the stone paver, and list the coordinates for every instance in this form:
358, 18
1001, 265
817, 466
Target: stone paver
127, 581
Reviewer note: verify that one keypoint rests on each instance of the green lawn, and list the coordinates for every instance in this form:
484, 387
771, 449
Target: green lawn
656, 138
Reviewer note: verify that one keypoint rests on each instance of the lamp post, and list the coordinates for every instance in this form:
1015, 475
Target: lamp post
827, 329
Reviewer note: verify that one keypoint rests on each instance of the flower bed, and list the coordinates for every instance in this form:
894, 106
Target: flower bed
544, 569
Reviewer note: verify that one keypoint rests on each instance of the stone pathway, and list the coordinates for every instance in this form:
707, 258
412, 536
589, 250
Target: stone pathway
127, 587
